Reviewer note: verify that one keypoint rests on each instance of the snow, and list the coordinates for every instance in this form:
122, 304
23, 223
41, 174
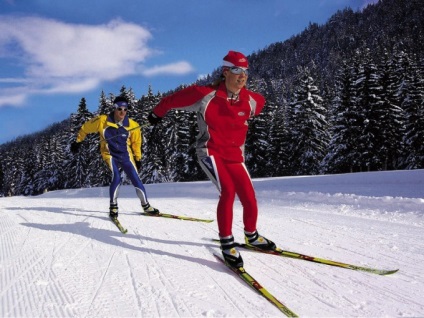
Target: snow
60, 256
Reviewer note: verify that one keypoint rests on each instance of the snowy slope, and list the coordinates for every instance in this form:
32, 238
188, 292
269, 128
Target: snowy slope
60, 255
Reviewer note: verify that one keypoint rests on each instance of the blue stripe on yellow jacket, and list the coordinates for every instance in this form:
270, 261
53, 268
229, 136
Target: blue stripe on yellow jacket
120, 142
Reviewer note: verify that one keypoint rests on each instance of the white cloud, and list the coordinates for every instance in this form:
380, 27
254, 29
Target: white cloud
72, 58
12, 99
178, 68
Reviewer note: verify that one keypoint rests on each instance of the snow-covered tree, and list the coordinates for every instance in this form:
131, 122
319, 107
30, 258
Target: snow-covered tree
413, 105
308, 127
78, 166
391, 118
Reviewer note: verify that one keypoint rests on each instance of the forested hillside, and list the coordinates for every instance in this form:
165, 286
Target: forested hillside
345, 96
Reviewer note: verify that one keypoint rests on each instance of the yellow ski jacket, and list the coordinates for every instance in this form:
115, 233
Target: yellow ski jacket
120, 142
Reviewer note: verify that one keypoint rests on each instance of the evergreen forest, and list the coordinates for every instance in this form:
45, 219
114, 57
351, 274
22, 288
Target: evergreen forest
342, 97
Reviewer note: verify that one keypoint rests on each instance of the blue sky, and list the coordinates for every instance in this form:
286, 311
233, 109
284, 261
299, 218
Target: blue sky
53, 53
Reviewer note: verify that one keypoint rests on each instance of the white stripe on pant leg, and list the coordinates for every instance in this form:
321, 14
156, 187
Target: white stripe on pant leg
141, 195
213, 176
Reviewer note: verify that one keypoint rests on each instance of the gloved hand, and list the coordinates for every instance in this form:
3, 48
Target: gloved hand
153, 119
138, 165
75, 146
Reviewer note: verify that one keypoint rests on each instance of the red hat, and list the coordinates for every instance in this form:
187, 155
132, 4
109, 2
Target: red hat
235, 59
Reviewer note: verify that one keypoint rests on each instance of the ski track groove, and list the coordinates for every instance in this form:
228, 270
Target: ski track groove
9, 240
165, 282
33, 265
58, 288
6, 225
48, 276
78, 252
321, 298
287, 288
228, 296
99, 285
134, 286
152, 274
367, 254
394, 296
159, 274
152, 293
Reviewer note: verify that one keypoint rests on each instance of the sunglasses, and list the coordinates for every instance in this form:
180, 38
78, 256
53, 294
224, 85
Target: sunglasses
239, 70
122, 109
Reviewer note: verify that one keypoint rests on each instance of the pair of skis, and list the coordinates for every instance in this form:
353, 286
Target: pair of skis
253, 283
289, 254
123, 230
249, 279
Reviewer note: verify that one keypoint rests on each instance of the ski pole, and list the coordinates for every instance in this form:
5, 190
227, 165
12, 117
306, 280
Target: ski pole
123, 135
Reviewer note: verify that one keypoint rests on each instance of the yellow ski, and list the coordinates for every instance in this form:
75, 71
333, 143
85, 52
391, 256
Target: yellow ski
178, 217
253, 283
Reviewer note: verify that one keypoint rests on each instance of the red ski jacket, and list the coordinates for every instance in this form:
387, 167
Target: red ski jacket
222, 122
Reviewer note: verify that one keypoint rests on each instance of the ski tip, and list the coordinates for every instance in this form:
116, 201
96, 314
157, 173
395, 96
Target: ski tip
389, 272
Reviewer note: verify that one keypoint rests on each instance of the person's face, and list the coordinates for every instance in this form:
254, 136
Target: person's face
120, 113
235, 78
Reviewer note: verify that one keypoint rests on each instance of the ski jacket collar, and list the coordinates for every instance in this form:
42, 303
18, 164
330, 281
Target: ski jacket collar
222, 92
111, 121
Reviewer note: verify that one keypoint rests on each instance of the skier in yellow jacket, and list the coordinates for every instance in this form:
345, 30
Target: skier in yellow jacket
120, 147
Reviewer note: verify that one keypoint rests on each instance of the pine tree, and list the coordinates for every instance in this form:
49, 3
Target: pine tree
154, 143
276, 129
105, 104
307, 127
390, 146
28, 167
369, 110
342, 148
181, 150
78, 166
413, 105
258, 143
1, 180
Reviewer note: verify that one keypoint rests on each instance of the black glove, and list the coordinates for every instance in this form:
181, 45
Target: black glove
75, 146
153, 119
138, 165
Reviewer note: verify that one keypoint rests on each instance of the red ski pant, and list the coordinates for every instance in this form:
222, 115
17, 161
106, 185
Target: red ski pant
231, 179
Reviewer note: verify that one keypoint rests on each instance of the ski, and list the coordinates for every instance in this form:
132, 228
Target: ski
253, 283
178, 217
119, 225
289, 254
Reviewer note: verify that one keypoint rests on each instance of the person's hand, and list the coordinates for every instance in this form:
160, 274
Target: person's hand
138, 165
75, 146
153, 119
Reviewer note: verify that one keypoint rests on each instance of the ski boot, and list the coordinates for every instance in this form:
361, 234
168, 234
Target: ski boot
113, 211
149, 209
259, 241
231, 255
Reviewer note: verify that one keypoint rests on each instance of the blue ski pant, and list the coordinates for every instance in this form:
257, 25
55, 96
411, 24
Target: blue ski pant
131, 171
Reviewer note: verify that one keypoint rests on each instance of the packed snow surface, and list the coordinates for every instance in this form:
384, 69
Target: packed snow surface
60, 256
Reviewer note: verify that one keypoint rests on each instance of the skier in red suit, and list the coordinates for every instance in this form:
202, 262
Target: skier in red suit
223, 109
